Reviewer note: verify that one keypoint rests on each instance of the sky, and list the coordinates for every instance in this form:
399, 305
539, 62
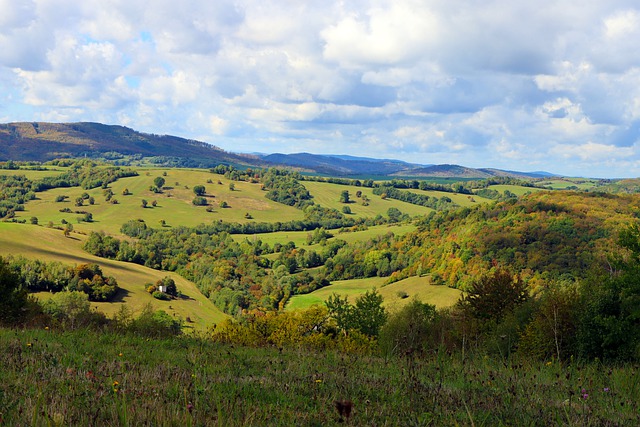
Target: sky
547, 85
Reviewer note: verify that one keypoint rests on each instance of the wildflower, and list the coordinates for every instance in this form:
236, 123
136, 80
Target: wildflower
29, 344
120, 354
318, 381
46, 328
585, 395
606, 390
189, 407
549, 363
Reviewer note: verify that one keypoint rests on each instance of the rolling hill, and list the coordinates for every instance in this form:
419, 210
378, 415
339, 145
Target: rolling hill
40, 141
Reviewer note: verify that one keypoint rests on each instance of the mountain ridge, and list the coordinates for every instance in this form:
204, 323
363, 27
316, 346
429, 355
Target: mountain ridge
43, 141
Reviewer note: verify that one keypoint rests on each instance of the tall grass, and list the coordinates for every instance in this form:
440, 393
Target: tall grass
87, 378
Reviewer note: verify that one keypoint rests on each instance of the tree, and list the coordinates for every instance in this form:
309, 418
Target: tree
344, 197
13, 298
199, 190
169, 285
144, 203
495, 294
366, 316
232, 186
346, 210
34, 220
199, 201
68, 228
159, 182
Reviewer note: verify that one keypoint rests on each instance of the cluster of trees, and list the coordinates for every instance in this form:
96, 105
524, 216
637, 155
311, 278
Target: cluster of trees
442, 203
36, 276
283, 187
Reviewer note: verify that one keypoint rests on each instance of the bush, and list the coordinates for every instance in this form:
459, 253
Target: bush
199, 201
161, 296
408, 330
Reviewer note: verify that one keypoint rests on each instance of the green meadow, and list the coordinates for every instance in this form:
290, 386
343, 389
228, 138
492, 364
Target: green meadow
395, 295
47, 244
328, 195
300, 237
173, 205
464, 200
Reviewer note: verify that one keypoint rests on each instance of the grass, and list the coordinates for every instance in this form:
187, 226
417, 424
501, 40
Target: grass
50, 245
300, 237
34, 174
328, 195
564, 183
515, 189
464, 200
173, 204
87, 378
393, 294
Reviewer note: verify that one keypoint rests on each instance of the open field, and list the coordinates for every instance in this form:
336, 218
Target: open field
572, 183
173, 204
515, 189
34, 174
50, 245
300, 237
328, 195
413, 287
465, 200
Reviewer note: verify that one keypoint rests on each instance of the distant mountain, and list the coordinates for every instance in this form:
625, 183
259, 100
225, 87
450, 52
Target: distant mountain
38, 141
46, 141
339, 165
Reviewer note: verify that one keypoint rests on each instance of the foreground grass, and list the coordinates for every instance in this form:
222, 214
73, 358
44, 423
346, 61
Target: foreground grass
395, 295
87, 378
32, 241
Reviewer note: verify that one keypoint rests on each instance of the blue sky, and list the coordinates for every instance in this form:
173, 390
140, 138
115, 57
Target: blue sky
550, 85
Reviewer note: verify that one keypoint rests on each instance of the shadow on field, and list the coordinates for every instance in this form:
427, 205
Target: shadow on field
120, 295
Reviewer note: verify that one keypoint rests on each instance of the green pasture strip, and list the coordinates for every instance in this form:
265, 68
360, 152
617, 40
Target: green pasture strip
515, 189
393, 294
465, 200
564, 183
50, 245
33, 175
328, 195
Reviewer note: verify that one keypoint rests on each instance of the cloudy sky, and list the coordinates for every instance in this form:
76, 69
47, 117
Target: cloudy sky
548, 85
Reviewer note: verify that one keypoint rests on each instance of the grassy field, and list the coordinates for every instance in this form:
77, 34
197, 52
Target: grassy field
34, 174
515, 189
173, 204
55, 378
300, 237
564, 183
413, 287
328, 195
464, 200
50, 245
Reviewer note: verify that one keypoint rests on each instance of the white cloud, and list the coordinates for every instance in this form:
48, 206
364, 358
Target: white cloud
496, 83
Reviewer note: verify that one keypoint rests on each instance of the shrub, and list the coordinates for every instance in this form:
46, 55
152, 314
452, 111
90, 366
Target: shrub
407, 331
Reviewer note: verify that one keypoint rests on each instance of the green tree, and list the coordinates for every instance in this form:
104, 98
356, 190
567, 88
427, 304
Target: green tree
366, 316
13, 298
344, 197
159, 182
199, 190
495, 294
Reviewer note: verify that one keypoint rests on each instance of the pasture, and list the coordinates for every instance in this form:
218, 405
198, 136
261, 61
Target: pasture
328, 195
48, 244
395, 294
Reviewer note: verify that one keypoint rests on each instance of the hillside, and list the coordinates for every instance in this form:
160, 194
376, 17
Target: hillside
46, 141
47, 244
40, 141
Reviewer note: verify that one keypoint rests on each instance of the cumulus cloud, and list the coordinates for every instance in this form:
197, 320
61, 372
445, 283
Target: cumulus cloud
549, 85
